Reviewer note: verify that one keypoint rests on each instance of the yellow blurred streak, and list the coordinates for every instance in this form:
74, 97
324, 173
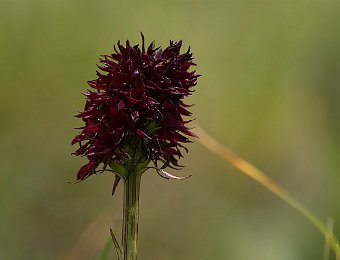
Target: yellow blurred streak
93, 237
251, 171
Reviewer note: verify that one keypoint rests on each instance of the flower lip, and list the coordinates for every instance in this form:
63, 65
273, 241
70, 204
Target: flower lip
136, 109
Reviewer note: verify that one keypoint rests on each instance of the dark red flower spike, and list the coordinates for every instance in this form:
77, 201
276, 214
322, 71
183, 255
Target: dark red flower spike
135, 110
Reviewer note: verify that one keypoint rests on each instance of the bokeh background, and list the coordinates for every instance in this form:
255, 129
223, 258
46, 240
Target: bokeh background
270, 90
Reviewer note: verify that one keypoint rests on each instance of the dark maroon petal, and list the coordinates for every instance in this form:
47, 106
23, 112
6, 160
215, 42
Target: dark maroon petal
121, 105
172, 50
86, 170
150, 84
91, 128
183, 111
118, 80
149, 102
79, 138
82, 149
134, 101
138, 91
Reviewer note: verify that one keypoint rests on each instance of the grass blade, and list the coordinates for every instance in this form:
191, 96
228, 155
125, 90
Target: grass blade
251, 171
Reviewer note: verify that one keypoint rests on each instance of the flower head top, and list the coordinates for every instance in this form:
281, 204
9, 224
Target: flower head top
135, 109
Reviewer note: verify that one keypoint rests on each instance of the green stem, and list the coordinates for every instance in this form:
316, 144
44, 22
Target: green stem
130, 215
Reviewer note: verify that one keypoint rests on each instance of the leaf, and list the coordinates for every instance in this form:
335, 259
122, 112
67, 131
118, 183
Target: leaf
105, 254
120, 169
117, 247
142, 166
115, 184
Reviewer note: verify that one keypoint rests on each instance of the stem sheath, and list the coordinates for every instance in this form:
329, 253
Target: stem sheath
130, 215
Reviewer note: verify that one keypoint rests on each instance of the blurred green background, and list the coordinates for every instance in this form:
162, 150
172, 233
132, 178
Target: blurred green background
270, 90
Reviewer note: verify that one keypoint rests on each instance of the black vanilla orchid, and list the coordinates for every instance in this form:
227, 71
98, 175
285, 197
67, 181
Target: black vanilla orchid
133, 115
134, 109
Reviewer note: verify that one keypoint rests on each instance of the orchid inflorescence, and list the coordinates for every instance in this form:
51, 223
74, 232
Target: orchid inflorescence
134, 109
